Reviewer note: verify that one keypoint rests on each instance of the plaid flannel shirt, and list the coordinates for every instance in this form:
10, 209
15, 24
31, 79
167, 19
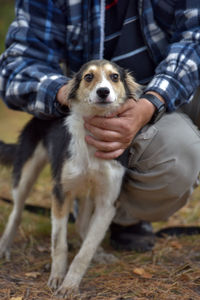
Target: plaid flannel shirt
46, 33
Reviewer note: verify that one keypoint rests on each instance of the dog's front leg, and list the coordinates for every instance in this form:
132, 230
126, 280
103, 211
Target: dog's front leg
86, 207
99, 224
60, 213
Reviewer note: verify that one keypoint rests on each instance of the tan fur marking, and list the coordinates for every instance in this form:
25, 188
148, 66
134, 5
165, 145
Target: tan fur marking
110, 68
59, 210
134, 87
97, 77
91, 68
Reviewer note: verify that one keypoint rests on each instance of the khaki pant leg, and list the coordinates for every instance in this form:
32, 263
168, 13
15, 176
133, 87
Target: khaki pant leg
163, 170
192, 109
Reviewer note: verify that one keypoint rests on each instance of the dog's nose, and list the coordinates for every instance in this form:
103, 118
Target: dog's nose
103, 92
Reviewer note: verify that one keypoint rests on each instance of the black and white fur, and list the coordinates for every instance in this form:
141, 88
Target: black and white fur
97, 89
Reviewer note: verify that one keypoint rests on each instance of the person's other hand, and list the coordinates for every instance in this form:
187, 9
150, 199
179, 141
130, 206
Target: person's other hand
62, 94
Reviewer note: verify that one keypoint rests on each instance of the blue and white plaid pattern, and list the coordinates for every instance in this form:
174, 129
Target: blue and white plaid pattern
46, 33
175, 47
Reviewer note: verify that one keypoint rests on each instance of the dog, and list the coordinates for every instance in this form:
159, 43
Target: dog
99, 88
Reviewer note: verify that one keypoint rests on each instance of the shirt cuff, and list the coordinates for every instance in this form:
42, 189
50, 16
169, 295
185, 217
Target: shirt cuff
46, 104
170, 89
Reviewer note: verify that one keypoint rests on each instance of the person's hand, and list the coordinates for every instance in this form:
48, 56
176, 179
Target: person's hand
112, 135
61, 96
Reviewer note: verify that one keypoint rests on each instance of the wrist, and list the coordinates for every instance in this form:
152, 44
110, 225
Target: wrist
159, 104
148, 110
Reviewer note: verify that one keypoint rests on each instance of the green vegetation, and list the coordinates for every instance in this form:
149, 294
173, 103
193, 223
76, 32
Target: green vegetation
6, 17
10, 121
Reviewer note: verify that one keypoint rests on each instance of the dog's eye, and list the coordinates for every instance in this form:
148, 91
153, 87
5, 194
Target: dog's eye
114, 77
88, 77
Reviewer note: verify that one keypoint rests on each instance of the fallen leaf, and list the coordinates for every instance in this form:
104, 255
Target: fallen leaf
185, 277
16, 298
33, 274
176, 245
141, 272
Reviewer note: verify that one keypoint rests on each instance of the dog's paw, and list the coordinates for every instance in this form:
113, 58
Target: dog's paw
101, 257
4, 250
69, 293
55, 281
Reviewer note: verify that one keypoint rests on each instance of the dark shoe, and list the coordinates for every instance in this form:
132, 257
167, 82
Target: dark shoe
138, 237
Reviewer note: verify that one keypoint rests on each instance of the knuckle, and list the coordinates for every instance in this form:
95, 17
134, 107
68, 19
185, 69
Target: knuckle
111, 147
128, 140
118, 153
126, 127
103, 123
123, 126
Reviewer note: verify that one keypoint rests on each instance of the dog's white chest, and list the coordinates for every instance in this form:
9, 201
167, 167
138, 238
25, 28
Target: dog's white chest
83, 170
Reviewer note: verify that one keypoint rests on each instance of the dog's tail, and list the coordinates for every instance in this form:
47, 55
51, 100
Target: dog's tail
7, 153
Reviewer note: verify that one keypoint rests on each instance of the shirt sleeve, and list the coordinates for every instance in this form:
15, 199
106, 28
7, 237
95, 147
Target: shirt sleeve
178, 75
30, 72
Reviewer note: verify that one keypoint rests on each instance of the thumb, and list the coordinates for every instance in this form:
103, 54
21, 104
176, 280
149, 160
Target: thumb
123, 108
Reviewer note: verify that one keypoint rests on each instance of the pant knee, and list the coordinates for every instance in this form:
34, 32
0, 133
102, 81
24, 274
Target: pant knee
163, 171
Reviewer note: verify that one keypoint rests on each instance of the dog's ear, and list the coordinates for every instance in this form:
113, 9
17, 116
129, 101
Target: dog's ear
133, 89
71, 88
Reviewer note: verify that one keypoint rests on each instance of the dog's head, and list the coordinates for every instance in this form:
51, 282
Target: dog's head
100, 87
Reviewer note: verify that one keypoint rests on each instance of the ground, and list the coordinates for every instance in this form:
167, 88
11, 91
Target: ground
170, 271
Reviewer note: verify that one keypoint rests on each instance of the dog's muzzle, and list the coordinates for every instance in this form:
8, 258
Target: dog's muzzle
103, 95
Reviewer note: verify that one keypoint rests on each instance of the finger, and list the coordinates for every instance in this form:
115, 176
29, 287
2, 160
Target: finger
109, 155
102, 134
104, 123
102, 145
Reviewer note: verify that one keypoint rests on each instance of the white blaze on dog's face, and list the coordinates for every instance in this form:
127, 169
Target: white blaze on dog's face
100, 87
